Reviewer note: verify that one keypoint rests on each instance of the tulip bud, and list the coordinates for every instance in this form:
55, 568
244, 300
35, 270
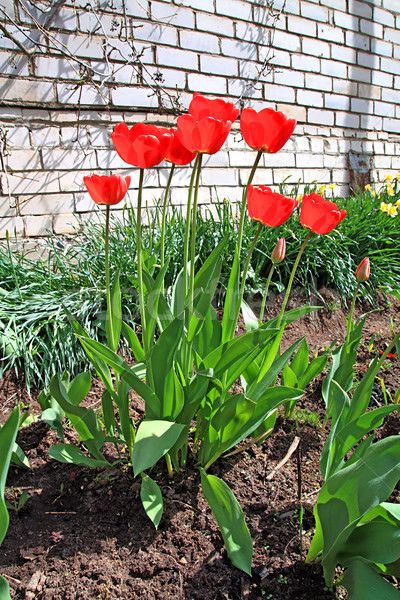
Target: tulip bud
278, 253
362, 271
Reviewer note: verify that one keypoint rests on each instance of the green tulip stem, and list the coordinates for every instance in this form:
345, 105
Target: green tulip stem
107, 262
350, 319
164, 214
247, 263
140, 261
265, 295
193, 236
244, 203
187, 230
292, 274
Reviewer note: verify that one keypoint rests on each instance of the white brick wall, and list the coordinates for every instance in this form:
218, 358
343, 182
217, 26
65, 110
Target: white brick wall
336, 69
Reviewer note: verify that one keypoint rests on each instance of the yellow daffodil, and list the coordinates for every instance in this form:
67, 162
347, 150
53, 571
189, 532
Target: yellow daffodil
392, 210
322, 189
367, 188
388, 177
398, 176
398, 203
374, 193
384, 207
389, 190
332, 186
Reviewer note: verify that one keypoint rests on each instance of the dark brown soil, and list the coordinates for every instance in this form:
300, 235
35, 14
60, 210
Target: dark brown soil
83, 534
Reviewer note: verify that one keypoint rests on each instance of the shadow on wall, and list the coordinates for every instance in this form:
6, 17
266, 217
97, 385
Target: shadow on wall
361, 163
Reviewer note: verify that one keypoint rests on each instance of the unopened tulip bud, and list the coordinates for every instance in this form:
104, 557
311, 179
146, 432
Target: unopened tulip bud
278, 253
362, 271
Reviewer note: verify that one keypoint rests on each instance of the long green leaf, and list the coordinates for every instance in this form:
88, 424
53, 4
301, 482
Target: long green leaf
114, 315
67, 453
8, 435
153, 440
363, 583
152, 501
4, 589
230, 519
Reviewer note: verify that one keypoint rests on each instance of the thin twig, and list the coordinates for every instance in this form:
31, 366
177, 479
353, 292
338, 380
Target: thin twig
287, 457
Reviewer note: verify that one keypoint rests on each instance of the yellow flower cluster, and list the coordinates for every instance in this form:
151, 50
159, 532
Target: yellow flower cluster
390, 209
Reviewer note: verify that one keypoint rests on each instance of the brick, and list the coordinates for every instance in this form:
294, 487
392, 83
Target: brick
64, 19
323, 117
331, 34
13, 64
22, 89
168, 78
343, 54
360, 105
372, 92
333, 68
203, 5
381, 48
234, 10
360, 74
290, 6
202, 42
218, 65
356, 40
278, 93
174, 57
236, 48
206, 83
371, 122
36, 226
338, 4
240, 158
365, 59
316, 48
383, 17
65, 224
390, 65
346, 21
349, 88
361, 9
389, 95
302, 144
214, 24
371, 28
75, 136
7, 208
396, 52
392, 5
157, 34
14, 225
307, 98
316, 13
70, 158
46, 204
344, 119
391, 35
23, 160
134, 96
280, 58
382, 79
46, 136
252, 33
318, 82
286, 41
85, 94
336, 102
384, 109
251, 70
79, 45
302, 26
293, 112
308, 160
179, 16
55, 68
17, 137
391, 125
306, 63
33, 183
296, 78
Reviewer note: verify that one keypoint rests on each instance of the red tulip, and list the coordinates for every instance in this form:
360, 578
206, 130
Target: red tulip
201, 107
268, 207
319, 215
107, 189
362, 271
177, 153
207, 125
143, 145
278, 253
267, 130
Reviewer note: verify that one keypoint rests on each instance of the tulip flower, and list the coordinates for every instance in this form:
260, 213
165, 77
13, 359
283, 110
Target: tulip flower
267, 130
363, 270
207, 125
279, 251
143, 145
178, 154
268, 207
107, 189
319, 215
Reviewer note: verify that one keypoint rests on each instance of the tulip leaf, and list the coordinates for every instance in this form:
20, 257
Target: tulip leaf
133, 341
364, 583
230, 518
79, 387
153, 440
68, 453
4, 589
8, 435
152, 501
250, 319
